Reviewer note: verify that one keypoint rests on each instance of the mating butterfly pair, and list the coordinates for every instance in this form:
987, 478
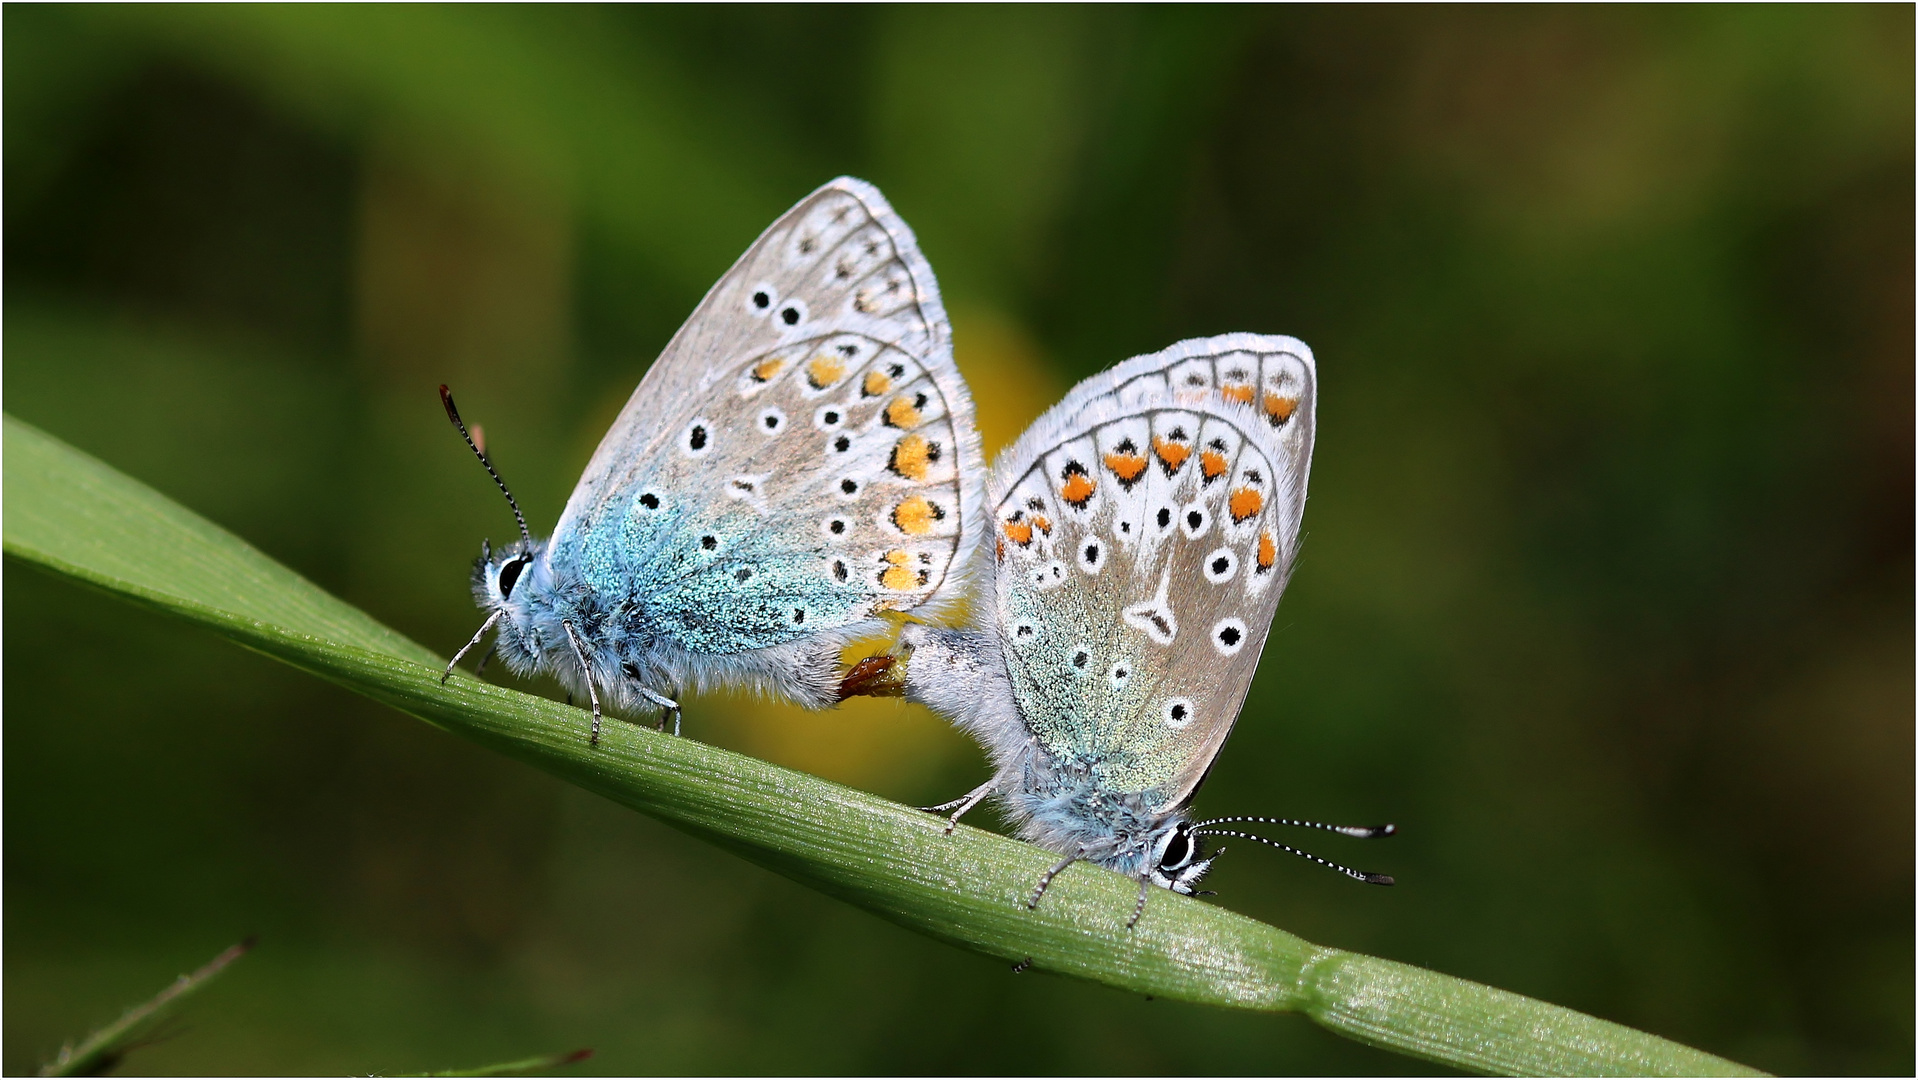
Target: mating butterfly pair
802, 459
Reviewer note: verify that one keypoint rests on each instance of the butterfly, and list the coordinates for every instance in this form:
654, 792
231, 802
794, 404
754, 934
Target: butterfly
1144, 529
800, 460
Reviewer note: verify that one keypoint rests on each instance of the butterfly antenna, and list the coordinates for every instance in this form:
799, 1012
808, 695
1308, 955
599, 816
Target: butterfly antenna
1359, 875
453, 414
1356, 832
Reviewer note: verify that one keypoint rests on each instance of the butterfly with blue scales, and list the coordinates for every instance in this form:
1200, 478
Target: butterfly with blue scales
1145, 528
800, 461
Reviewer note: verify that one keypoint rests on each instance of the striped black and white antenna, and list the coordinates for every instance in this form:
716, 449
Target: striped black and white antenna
1357, 832
453, 414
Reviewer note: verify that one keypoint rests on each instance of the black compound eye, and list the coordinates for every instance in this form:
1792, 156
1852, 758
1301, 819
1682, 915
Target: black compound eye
509, 575
1178, 851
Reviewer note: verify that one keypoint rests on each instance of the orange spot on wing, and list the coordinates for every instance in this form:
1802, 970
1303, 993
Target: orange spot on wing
1244, 503
1019, 532
1172, 453
1126, 466
1280, 408
1268, 551
1240, 394
910, 457
1077, 489
901, 413
916, 515
897, 576
1042, 525
765, 370
1212, 464
877, 383
823, 371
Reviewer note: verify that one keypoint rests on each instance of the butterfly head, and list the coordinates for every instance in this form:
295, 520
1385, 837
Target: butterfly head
1178, 861
503, 579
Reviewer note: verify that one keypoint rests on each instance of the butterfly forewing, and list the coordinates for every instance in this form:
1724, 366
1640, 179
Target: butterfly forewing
802, 454
1162, 512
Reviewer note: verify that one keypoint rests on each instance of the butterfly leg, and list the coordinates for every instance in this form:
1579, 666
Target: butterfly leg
1144, 888
1045, 879
591, 692
484, 627
964, 803
668, 707
480, 668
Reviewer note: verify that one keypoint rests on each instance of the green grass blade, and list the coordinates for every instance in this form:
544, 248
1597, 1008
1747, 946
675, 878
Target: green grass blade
100, 1052
523, 1067
77, 517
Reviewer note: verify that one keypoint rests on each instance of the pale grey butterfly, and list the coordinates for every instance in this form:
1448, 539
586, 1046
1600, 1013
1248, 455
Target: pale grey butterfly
1144, 529
799, 460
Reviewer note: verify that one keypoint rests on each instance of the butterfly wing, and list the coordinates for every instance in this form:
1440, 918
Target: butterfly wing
802, 454
1146, 526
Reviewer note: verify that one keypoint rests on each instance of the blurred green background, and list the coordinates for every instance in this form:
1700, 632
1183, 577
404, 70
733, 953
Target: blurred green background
1606, 600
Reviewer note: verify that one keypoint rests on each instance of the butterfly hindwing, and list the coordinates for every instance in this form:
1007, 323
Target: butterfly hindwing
801, 456
1144, 532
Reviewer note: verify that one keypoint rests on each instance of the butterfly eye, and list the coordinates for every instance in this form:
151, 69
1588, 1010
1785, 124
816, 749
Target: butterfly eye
1178, 851
509, 575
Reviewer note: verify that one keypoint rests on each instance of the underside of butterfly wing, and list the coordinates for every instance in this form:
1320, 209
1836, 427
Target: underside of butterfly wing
800, 458
1143, 535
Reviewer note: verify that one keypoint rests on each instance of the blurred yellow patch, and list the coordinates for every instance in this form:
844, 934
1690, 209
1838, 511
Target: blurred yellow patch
883, 745
1012, 382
